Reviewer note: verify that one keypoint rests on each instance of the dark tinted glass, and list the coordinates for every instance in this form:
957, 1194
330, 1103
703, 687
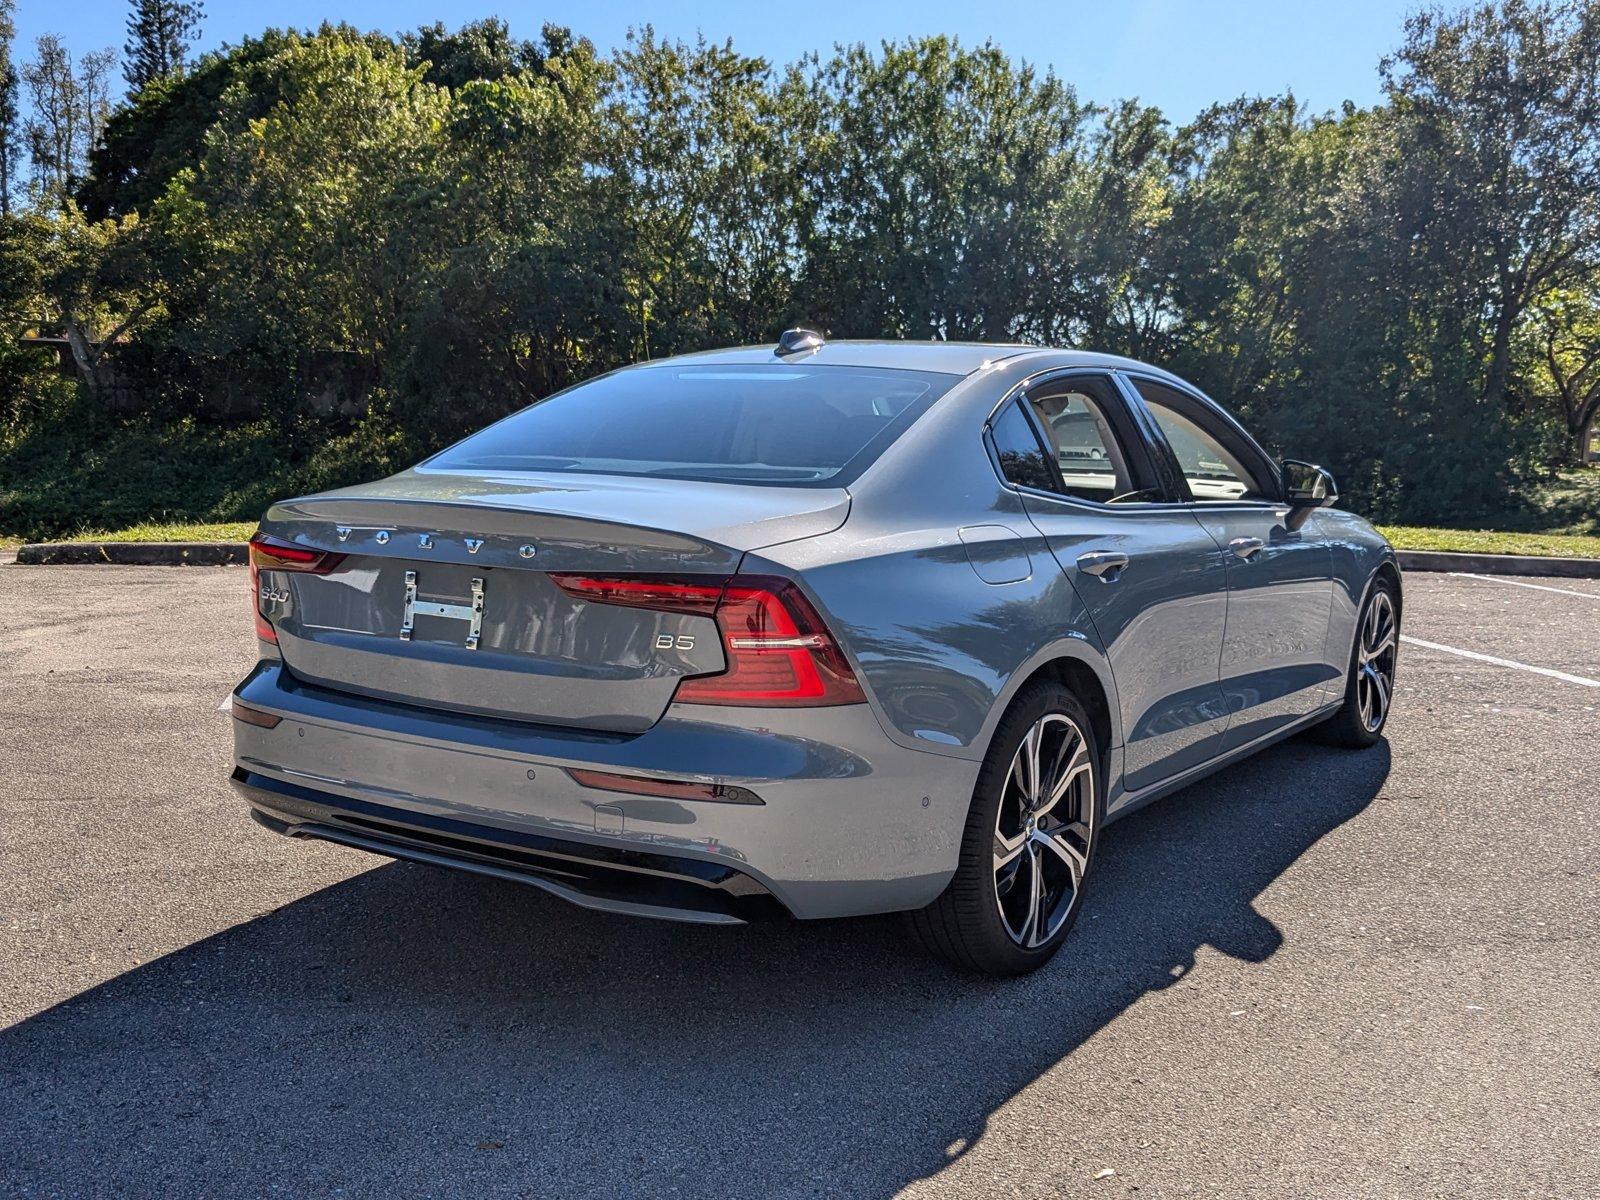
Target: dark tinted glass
770, 424
1022, 459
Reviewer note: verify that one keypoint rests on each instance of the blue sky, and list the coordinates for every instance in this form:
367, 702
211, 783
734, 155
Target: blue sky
1180, 56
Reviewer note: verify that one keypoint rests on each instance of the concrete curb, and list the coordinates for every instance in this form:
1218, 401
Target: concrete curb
1499, 564
134, 554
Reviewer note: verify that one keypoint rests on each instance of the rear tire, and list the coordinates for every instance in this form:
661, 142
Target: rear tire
1369, 681
1029, 840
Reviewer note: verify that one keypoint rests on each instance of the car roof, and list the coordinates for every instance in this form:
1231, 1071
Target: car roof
947, 358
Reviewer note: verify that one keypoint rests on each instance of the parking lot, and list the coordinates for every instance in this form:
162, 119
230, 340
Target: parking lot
1322, 973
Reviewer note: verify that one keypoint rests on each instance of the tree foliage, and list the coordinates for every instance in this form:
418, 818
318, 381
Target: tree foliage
10, 114
160, 33
339, 227
70, 105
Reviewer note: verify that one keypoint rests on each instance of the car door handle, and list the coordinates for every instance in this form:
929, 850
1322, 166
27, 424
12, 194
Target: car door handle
1245, 547
1105, 565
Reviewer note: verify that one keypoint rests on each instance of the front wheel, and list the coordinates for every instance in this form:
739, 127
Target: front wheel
1029, 841
1369, 685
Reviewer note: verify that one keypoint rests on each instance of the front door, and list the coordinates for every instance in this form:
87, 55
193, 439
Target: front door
1274, 667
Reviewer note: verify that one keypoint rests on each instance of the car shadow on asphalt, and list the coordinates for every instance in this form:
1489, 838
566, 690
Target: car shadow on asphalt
418, 1032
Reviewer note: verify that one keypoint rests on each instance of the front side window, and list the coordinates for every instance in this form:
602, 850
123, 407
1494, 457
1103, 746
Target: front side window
775, 424
1214, 474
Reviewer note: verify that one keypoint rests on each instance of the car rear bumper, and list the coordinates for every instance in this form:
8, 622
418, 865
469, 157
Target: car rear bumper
612, 880
849, 822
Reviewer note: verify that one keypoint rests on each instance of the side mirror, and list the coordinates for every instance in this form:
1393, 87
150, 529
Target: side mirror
1306, 487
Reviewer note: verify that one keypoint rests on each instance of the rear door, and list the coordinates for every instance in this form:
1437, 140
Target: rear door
1280, 591
1148, 573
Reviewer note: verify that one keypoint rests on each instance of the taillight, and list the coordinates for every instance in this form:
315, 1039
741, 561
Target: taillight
268, 553
647, 591
779, 652
277, 555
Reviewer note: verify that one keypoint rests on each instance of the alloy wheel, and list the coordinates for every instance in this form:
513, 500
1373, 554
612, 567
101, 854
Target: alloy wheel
1044, 830
1375, 661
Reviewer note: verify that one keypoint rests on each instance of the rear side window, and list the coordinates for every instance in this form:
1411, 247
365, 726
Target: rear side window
764, 423
1076, 443
1022, 459
1074, 416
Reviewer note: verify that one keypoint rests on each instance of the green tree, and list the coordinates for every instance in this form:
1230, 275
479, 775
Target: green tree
55, 131
479, 50
91, 282
296, 210
1252, 183
10, 116
1111, 241
934, 184
525, 290
465, 221
161, 129
1566, 358
1499, 106
70, 106
300, 224
695, 143
160, 35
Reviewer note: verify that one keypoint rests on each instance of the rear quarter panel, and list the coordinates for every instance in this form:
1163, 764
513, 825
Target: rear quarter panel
945, 595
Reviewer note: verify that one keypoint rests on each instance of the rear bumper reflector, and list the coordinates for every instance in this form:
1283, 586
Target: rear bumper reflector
639, 785
253, 716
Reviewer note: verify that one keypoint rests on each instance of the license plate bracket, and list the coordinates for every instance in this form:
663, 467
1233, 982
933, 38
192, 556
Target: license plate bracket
471, 612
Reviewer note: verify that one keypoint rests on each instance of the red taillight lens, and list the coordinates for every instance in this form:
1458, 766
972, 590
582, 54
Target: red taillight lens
645, 591
276, 555
270, 554
779, 652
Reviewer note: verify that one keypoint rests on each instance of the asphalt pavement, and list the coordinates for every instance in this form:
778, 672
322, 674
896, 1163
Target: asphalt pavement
1319, 974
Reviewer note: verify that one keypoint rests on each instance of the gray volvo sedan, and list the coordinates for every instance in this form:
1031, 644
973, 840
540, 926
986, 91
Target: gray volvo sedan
817, 630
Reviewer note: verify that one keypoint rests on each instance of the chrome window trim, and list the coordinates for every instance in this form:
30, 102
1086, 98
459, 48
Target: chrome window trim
1028, 382
1131, 508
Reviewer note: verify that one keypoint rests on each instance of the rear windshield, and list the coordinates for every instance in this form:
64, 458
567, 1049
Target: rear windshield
765, 423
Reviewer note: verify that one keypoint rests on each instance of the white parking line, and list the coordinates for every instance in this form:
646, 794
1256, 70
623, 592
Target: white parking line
1501, 662
1541, 587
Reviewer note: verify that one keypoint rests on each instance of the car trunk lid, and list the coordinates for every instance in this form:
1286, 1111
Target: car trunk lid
469, 560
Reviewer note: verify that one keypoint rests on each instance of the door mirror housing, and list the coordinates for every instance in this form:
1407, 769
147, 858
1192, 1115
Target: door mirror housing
1307, 487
